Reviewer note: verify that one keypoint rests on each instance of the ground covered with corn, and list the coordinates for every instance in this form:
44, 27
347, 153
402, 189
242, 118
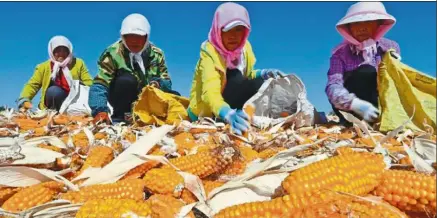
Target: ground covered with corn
55, 165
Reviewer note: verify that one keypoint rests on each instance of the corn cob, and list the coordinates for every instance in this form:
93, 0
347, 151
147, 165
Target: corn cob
185, 142
124, 189
29, 124
250, 111
140, 170
114, 208
61, 119
355, 173
98, 156
6, 193
272, 208
408, 191
100, 136
164, 206
81, 142
50, 147
130, 137
209, 185
238, 166
270, 152
164, 181
33, 196
344, 150
188, 197
347, 206
205, 163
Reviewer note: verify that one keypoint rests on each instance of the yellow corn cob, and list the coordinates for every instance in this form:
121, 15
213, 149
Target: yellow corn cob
81, 142
270, 152
124, 189
98, 156
347, 206
211, 185
130, 136
33, 196
50, 147
117, 146
6, 193
272, 208
164, 181
100, 136
205, 163
165, 206
61, 119
114, 208
238, 166
408, 191
140, 170
188, 197
344, 150
356, 173
185, 142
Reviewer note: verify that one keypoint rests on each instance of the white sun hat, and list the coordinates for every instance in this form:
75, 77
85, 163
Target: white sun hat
366, 11
234, 24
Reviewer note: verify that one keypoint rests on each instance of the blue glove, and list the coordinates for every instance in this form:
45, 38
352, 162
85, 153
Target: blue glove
270, 73
236, 118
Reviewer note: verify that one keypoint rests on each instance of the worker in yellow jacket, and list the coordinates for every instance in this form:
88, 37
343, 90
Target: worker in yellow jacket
55, 76
225, 77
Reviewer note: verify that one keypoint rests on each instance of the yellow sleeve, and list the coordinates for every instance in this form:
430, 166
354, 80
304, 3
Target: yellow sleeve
211, 85
252, 72
33, 85
85, 76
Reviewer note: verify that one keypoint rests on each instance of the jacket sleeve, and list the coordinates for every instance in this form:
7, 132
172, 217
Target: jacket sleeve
106, 68
211, 88
160, 71
32, 86
98, 95
85, 76
337, 94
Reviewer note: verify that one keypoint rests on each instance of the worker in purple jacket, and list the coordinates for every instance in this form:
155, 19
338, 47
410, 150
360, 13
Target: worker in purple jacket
352, 76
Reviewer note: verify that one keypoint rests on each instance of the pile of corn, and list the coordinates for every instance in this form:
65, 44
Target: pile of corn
352, 182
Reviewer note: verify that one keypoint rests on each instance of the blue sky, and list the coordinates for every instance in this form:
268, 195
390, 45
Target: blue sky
292, 36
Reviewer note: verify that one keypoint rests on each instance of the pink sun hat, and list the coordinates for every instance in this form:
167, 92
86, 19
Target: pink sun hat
365, 11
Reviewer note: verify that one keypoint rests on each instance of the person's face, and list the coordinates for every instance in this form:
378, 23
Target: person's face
61, 53
135, 42
362, 31
233, 38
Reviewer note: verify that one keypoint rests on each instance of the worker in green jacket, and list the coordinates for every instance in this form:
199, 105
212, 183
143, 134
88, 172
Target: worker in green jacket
125, 68
55, 76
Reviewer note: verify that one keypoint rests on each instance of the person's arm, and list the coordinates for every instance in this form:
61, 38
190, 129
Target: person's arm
337, 94
211, 86
31, 87
98, 95
84, 75
159, 70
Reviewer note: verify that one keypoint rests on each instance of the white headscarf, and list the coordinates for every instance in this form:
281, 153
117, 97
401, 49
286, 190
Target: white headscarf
139, 25
365, 11
55, 42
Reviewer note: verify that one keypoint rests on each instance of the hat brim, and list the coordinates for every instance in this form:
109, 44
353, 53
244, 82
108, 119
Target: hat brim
367, 17
234, 24
134, 32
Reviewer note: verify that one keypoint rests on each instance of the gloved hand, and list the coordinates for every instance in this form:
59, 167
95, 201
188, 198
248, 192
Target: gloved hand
102, 117
236, 118
365, 109
271, 73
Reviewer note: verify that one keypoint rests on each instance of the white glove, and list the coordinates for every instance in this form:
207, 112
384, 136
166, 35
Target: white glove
365, 109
